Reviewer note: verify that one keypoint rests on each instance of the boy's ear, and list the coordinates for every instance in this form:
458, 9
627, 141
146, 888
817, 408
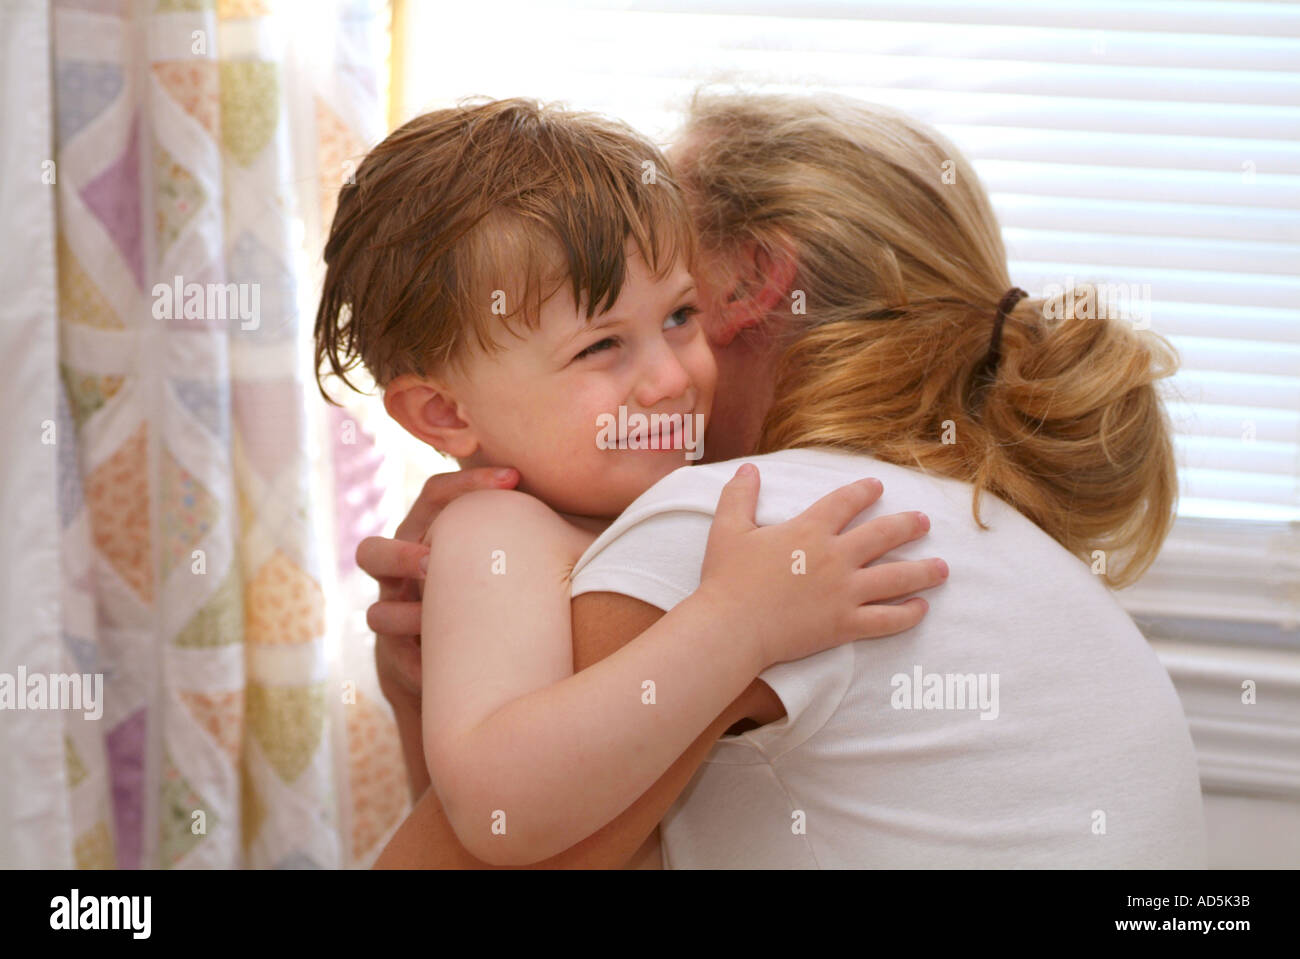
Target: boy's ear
427, 410
762, 279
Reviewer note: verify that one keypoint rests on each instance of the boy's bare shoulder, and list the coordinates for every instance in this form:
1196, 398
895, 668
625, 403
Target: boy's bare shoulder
505, 515
497, 506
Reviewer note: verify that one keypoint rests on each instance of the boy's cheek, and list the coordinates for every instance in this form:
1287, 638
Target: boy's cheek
557, 460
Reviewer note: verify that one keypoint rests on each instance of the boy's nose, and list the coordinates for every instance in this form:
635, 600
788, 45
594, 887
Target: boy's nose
664, 379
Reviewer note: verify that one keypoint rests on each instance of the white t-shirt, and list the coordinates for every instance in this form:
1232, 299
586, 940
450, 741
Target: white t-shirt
1084, 760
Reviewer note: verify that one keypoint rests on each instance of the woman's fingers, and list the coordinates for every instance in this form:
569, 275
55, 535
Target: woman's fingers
394, 617
882, 619
837, 508
398, 658
876, 537
891, 580
382, 557
441, 488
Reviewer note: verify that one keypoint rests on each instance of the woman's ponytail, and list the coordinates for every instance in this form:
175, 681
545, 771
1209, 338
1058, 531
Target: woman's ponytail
902, 269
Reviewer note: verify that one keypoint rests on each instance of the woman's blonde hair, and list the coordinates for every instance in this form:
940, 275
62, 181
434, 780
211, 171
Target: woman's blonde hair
900, 267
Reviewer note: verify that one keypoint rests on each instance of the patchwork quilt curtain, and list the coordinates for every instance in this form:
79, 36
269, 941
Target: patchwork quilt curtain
178, 501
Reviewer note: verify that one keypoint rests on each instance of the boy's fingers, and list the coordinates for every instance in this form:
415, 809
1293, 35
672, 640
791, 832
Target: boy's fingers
382, 557
880, 619
891, 580
876, 537
441, 488
738, 500
838, 507
394, 618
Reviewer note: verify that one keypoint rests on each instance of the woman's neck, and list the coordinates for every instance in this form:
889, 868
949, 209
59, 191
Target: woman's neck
591, 524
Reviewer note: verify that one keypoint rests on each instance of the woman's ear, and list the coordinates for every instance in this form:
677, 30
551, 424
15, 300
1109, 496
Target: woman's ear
429, 412
762, 277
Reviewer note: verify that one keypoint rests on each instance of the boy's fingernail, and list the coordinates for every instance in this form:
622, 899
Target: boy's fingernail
424, 565
942, 568
503, 475
924, 520
746, 469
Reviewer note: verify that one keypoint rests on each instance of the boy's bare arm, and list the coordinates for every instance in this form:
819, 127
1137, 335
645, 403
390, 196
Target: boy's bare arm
508, 723
395, 616
602, 623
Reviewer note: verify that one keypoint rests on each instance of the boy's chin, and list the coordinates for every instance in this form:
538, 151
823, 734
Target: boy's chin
608, 493
655, 467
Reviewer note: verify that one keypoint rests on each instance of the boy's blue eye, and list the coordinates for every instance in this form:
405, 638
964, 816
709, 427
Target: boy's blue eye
686, 312
598, 347
682, 317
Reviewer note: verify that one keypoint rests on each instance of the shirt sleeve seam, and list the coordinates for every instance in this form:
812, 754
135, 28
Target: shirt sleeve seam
772, 759
637, 574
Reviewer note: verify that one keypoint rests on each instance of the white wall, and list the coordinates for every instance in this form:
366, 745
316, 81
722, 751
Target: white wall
1249, 752
1252, 832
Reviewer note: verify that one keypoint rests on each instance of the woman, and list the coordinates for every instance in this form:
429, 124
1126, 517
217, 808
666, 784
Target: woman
855, 287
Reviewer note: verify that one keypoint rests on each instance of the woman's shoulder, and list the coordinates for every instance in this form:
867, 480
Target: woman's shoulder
795, 474
778, 465
792, 480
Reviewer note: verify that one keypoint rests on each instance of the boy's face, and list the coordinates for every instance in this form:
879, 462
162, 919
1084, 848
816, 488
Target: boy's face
547, 403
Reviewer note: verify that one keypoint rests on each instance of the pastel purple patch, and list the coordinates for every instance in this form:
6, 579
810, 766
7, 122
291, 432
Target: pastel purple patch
125, 746
270, 421
114, 197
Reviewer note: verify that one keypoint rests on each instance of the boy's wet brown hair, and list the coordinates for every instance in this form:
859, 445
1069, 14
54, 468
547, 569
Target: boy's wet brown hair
463, 221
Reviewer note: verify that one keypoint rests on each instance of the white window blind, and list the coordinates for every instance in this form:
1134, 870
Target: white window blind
1150, 144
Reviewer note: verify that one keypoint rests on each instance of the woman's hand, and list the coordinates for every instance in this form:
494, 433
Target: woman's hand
800, 587
395, 565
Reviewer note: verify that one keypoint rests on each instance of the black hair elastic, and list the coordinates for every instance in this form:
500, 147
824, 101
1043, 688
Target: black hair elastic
994, 355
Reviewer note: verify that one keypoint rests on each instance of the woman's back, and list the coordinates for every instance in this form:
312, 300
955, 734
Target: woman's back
1025, 723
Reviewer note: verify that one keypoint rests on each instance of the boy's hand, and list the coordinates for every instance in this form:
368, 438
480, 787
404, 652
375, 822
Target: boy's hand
799, 587
395, 565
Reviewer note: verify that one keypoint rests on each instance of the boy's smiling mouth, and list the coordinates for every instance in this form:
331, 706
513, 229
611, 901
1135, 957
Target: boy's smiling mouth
651, 431
668, 435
